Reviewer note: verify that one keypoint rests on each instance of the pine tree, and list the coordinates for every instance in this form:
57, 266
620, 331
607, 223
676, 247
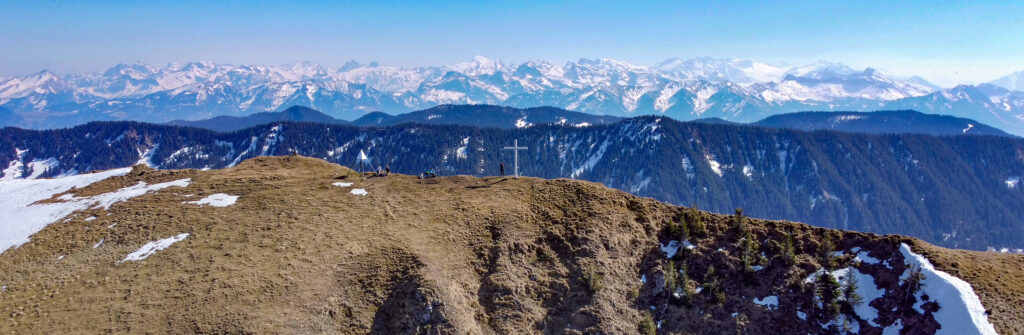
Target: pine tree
647, 326
825, 251
749, 255
788, 252
913, 283
827, 289
684, 282
737, 220
850, 287
670, 277
713, 286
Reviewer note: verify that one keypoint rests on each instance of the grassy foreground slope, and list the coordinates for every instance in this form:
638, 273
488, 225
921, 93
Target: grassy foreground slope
462, 255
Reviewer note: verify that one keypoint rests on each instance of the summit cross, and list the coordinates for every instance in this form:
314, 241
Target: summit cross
515, 153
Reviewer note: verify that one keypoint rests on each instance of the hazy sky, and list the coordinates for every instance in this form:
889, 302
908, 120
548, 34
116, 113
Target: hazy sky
947, 43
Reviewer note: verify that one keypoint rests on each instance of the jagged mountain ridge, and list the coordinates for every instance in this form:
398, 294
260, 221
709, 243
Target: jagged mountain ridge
960, 191
731, 89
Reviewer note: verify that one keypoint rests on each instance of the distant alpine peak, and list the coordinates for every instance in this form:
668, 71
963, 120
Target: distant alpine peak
734, 89
1013, 81
736, 70
480, 65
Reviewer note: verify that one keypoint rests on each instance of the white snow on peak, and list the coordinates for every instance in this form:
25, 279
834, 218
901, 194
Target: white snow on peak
20, 216
215, 200
480, 65
359, 191
960, 309
152, 247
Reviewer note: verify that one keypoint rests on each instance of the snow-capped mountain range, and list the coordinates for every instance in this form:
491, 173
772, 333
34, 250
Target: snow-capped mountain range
732, 89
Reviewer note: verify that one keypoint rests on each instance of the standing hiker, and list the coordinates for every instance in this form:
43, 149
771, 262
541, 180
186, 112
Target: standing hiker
502, 166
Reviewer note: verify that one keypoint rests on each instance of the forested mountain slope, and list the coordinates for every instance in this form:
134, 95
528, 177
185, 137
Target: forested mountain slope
961, 191
880, 122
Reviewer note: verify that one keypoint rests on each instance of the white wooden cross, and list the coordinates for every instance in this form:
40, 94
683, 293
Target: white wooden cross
515, 153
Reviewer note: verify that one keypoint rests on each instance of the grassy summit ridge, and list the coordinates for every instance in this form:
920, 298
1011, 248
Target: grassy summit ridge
299, 254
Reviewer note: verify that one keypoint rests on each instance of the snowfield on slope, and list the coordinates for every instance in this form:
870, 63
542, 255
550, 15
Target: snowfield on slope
21, 215
960, 310
152, 247
215, 200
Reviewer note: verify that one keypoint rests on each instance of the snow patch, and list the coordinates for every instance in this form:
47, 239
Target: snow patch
673, 246
770, 302
215, 200
20, 216
359, 191
960, 309
460, 152
714, 164
38, 167
969, 126
146, 158
341, 184
152, 247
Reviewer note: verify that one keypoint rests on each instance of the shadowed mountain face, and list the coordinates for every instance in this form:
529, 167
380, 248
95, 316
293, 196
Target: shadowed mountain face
488, 116
307, 246
956, 191
880, 122
232, 123
469, 115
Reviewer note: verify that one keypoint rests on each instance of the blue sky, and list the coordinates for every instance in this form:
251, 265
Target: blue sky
948, 43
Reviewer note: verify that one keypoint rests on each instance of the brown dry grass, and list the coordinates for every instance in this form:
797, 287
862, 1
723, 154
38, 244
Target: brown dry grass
448, 255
